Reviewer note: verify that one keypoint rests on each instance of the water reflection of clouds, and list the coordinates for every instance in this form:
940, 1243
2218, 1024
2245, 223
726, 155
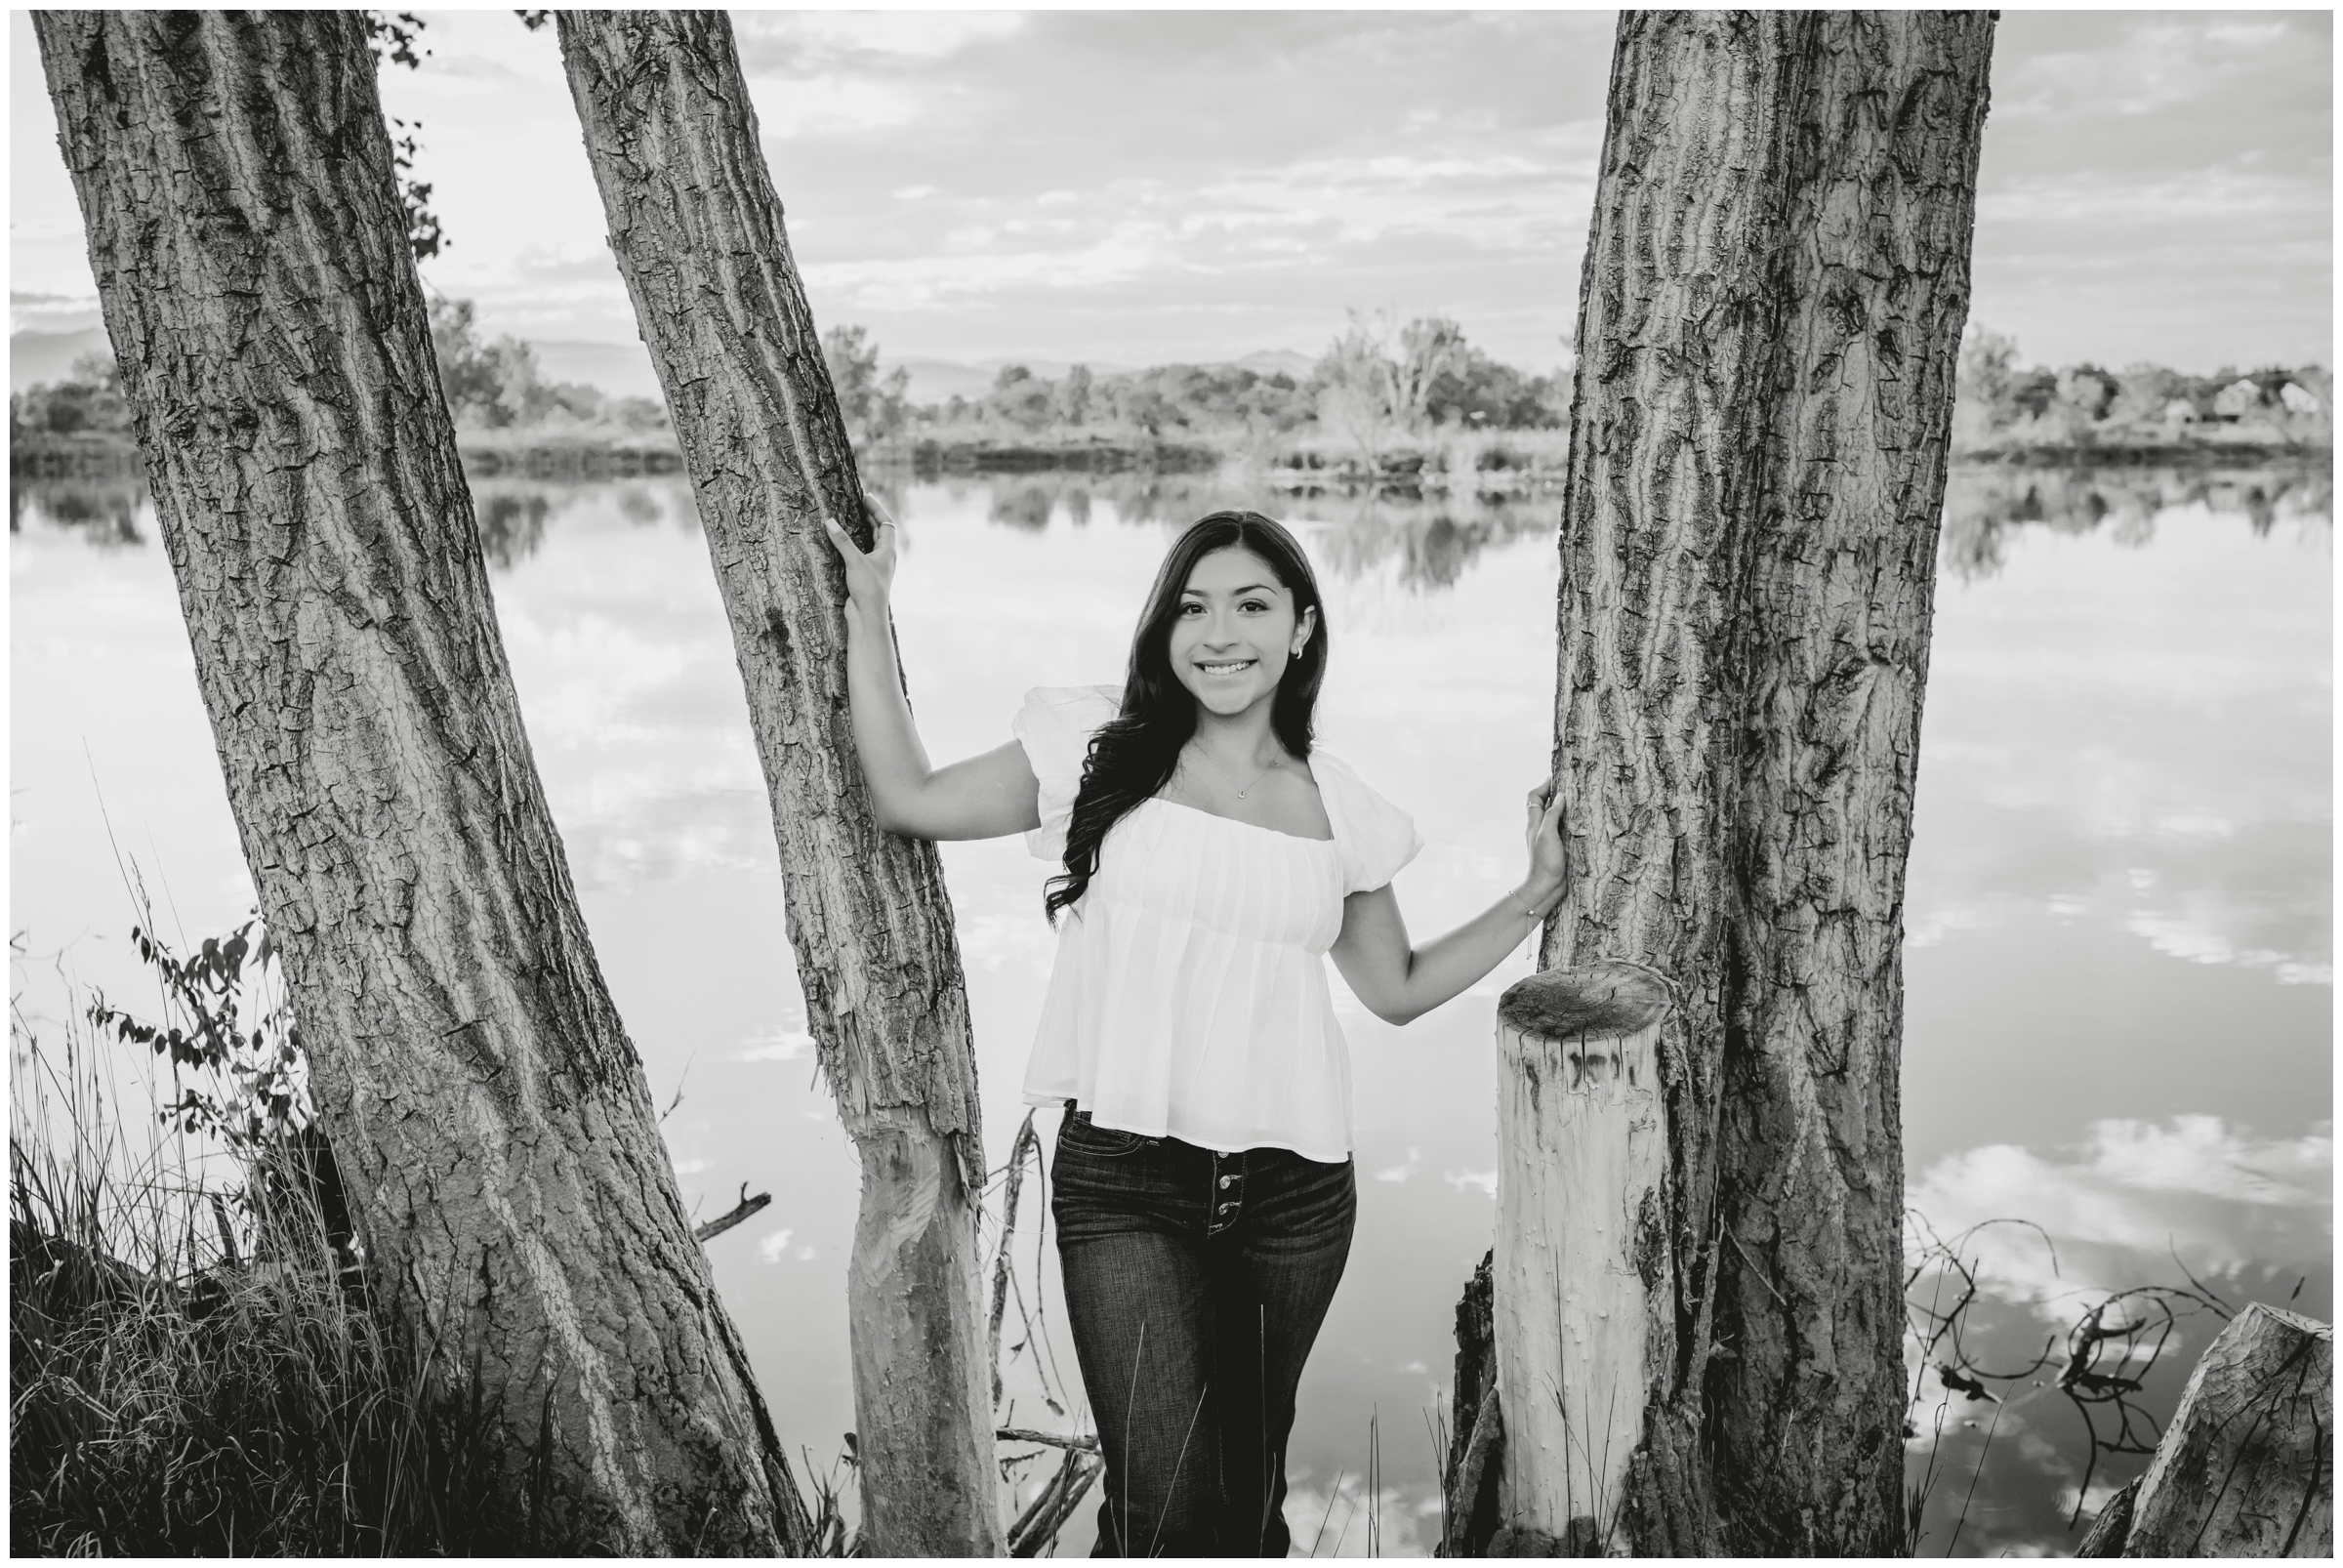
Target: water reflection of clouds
2135, 737
2135, 1195
625, 666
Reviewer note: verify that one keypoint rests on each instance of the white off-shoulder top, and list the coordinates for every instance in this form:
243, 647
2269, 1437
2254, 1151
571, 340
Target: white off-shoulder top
1189, 996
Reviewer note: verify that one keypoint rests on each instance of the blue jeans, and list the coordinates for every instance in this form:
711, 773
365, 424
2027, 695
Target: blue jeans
1195, 1282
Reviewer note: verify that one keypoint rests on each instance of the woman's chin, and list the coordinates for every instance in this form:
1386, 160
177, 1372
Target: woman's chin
1226, 702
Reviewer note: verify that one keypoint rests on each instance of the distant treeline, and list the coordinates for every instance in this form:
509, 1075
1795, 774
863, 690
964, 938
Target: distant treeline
1381, 399
2001, 405
1374, 386
490, 385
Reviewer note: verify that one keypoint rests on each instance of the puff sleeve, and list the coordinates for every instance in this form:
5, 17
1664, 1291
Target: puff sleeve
1374, 837
1054, 726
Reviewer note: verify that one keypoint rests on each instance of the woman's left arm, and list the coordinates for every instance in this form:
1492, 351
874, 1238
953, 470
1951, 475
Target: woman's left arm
1400, 983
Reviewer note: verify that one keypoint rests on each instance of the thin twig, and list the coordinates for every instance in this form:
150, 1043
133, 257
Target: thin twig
1008, 1231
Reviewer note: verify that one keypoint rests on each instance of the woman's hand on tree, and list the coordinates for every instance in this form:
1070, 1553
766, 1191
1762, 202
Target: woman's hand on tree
1549, 859
870, 575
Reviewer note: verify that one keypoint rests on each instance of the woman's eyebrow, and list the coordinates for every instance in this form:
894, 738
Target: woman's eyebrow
1249, 588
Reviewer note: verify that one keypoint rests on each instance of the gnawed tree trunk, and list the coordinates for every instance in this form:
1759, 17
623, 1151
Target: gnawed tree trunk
1774, 291
697, 230
1469, 1477
486, 1109
1582, 1151
2246, 1468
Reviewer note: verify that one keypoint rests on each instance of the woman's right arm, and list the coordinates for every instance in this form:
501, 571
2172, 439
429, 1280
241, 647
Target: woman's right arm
983, 797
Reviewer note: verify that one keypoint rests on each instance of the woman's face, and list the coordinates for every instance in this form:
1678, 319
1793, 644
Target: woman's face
1235, 630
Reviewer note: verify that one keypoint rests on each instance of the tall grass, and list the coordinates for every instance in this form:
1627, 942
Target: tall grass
196, 1367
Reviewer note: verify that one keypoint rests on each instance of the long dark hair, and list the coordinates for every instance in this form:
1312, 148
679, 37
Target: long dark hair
1134, 753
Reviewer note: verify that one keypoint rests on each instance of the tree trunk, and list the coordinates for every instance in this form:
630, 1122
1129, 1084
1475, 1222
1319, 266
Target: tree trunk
698, 233
1773, 297
1582, 1151
484, 1104
2246, 1468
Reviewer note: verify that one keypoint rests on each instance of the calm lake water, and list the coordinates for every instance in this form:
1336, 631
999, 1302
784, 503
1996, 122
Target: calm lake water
2120, 988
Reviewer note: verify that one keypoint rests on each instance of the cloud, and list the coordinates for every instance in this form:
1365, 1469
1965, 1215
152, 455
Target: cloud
2136, 66
2195, 1187
780, 1044
2198, 1154
1484, 1182
835, 105
806, 42
2161, 201
2207, 932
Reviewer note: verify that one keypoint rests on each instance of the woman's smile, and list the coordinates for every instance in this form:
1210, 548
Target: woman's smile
1235, 632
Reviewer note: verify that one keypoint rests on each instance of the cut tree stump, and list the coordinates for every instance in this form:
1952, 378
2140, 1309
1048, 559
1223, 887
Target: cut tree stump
1582, 1153
2247, 1467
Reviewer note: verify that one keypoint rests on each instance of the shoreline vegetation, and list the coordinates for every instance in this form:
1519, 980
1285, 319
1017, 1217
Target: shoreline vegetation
1413, 408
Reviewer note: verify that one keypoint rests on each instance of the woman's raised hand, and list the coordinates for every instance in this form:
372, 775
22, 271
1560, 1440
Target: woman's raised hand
869, 576
1550, 859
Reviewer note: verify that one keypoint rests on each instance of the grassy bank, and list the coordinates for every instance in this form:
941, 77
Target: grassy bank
539, 452
200, 1361
193, 1371
1059, 451
1453, 463
2222, 447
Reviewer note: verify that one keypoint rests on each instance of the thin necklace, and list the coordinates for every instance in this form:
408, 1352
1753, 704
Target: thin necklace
1232, 778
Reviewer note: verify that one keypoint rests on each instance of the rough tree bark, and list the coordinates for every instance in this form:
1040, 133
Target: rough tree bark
1774, 286
488, 1113
697, 230
2246, 1465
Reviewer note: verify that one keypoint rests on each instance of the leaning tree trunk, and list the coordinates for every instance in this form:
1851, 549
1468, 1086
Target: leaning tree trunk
1774, 291
697, 230
487, 1111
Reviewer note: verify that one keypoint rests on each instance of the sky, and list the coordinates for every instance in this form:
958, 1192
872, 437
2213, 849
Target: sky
1133, 187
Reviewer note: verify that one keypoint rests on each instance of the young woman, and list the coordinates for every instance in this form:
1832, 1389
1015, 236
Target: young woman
1212, 854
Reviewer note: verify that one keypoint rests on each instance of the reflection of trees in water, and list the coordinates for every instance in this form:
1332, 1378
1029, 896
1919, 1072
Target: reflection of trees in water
511, 525
1982, 504
637, 505
1020, 505
1432, 542
103, 511
514, 515
1432, 539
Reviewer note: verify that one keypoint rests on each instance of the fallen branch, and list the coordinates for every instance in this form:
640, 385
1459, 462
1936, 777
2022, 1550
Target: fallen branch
726, 1221
1051, 1507
1026, 1434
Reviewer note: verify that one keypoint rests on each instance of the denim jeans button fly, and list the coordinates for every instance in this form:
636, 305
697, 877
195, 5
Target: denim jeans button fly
1258, 1245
